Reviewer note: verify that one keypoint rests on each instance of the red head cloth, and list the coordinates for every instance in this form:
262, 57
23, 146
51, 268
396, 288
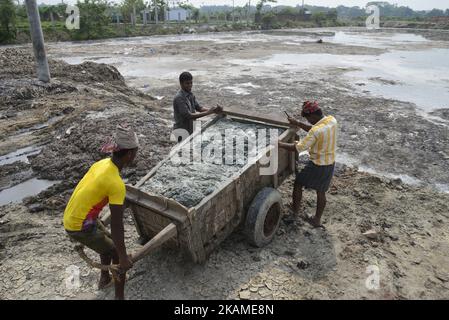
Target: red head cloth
310, 107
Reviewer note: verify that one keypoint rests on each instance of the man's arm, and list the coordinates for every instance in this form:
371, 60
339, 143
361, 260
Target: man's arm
299, 124
199, 108
288, 146
117, 233
197, 115
303, 145
181, 106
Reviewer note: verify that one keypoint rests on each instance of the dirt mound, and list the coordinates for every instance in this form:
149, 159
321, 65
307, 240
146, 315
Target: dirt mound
71, 116
17, 63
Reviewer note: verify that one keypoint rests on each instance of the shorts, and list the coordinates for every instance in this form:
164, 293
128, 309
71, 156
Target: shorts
96, 238
316, 177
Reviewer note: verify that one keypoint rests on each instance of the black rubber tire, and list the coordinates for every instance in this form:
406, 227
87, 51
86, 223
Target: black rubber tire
259, 230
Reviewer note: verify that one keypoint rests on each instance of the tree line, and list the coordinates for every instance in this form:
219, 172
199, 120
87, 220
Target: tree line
97, 16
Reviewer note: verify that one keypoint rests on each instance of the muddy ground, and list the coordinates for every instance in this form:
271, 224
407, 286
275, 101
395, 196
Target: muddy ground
70, 118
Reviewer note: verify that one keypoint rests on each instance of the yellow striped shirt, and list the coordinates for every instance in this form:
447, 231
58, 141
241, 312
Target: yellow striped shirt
321, 142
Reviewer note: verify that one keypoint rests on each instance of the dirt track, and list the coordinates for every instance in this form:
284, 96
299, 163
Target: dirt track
71, 117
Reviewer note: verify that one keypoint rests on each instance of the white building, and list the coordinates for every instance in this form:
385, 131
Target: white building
178, 14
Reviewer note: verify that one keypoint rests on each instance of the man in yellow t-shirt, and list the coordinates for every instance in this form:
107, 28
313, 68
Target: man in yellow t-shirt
321, 142
100, 186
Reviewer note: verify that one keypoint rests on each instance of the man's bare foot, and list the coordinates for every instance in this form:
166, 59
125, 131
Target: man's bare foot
314, 222
105, 282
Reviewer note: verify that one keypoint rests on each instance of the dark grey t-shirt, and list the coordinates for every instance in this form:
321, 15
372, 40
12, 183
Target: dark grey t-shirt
183, 104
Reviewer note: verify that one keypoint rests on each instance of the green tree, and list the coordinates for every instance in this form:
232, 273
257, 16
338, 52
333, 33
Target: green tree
259, 7
269, 20
161, 7
194, 12
319, 18
436, 13
127, 8
332, 15
93, 19
21, 12
7, 20
288, 11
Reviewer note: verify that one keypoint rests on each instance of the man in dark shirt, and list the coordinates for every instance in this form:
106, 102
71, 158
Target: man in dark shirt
185, 107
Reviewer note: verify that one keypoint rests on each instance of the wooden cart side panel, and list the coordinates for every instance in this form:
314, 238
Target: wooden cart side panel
158, 204
151, 223
222, 213
217, 212
195, 244
220, 216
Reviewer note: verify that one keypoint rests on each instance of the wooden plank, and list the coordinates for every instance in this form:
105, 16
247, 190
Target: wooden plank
166, 234
272, 118
196, 246
166, 207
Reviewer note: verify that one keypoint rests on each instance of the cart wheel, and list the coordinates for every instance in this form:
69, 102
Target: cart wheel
263, 217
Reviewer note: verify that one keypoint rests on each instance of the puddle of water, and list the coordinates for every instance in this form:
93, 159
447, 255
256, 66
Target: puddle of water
145, 72
442, 187
353, 162
25, 189
125, 46
290, 43
237, 90
39, 126
404, 177
419, 77
19, 155
422, 76
297, 61
105, 114
374, 39
249, 85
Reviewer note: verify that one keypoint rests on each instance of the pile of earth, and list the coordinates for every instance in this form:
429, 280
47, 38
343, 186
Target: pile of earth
70, 118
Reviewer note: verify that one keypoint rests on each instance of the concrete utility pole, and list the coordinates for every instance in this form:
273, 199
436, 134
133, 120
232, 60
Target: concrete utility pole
247, 13
43, 72
52, 19
144, 13
134, 15
156, 15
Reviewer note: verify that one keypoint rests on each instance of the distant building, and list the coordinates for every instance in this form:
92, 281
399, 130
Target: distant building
178, 14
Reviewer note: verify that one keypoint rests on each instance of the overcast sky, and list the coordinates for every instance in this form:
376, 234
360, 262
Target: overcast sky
414, 4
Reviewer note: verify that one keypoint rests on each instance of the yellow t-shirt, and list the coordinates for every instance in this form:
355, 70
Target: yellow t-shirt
101, 185
321, 142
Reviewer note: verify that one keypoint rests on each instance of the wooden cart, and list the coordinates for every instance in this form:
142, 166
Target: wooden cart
247, 200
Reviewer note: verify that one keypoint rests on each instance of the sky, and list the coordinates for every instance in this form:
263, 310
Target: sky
414, 4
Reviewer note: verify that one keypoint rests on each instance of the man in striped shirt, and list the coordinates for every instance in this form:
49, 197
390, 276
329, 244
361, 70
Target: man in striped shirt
320, 142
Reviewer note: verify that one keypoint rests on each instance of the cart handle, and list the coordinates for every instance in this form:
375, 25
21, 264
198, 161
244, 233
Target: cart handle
163, 236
